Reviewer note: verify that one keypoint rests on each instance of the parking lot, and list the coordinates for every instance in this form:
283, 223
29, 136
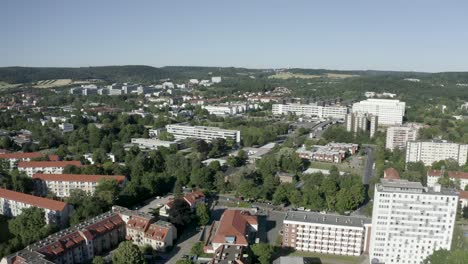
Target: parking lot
155, 203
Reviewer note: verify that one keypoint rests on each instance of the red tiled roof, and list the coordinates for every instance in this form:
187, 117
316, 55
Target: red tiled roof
77, 177
138, 223
458, 174
156, 232
193, 197
21, 155
437, 173
234, 223
463, 195
29, 164
32, 200
392, 174
63, 244
54, 157
102, 227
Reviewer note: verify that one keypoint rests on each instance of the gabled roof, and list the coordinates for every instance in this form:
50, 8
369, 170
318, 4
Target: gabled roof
435, 173
234, 224
391, 173
102, 227
62, 244
156, 232
138, 223
42, 164
77, 177
464, 195
193, 197
33, 200
21, 155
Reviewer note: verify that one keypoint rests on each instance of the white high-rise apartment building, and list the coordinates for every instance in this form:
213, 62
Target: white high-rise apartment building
362, 122
431, 151
397, 136
390, 112
338, 112
202, 132
325, 233
410, 222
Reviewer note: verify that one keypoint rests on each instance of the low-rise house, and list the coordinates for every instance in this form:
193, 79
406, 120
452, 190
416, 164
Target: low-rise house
47, 167
143, 230
62, 184
192, 199
463, 199
235, 228
12, 203
152, 143
66, 127
285, 177
458, 177
391, 174
321, 153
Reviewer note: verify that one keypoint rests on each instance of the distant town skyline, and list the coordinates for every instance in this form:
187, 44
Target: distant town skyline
424, 36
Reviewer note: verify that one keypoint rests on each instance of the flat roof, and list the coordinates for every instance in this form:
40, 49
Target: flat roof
327, 219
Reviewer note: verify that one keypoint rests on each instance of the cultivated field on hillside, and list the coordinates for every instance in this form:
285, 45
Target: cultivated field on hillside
52, 83
289, 75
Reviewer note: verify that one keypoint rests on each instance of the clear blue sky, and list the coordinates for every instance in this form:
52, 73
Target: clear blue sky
419, 35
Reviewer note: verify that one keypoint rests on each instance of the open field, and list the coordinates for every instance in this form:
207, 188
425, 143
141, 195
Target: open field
340, 75
289, 75
52, 83
351, 165
4, 85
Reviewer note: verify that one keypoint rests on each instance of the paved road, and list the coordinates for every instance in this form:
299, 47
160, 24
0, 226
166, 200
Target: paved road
369, 166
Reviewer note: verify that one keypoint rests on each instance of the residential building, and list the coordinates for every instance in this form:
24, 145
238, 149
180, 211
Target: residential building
47, 167
362, 122
389, 112
254, 154
142, 229
311, 110
325, 233
62, 184
216, 79
321, 153
295, 260
391, 174
229, 109
410, 222
77, 244
12, 203
460, 178
436, 150
202, 132
14, 158
463, 199
398, 136
192, 199
227, 254
152, 143
66, 127
235, 228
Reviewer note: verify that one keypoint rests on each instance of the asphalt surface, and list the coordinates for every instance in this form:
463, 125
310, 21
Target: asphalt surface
369, 166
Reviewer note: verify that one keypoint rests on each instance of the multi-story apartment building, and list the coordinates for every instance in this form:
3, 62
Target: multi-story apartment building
62, 184
46, 167
410, 222
143, 230
311, 110
229, 109
77, 244
235, 228
431, 151
152, 143
364, 122
458, 177
192, 199
12, 203
324, 233
390, 112
202, 132
398, 136
93, 237
333, 152
14, 158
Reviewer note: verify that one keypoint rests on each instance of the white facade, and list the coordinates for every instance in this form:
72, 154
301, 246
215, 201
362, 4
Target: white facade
202, 132
327, 234
390, 112
356, 122
410, 222
66, 127
398, 136
229, 109
431, 151
458, 177
46, 167
337, 112
151, 143
55, 212
216, 79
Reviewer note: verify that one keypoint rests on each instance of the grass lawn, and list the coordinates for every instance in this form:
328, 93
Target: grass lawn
341, 167
4, 229
325, 258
